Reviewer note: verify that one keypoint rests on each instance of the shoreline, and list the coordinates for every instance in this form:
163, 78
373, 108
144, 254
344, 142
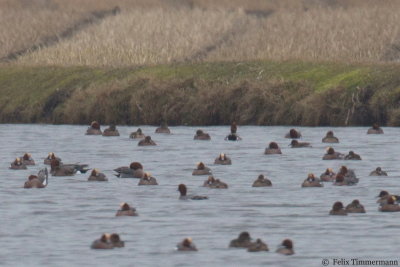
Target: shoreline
191, 94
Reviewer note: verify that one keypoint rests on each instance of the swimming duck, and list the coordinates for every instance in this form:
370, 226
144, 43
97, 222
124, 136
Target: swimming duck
257, 246
243, 241
183, 190
272, 148
163, 129
94, 129
60, 169
97, 176
102, 243
147, 179
352, 156
391, 205
332, 154
201, 169
330, 138
262, 181
286, 248
311, 181
135, 170
378, 172
349, 175
126, 210
200, 135
17, 164
27, 159
38, 181
355, 207
328, 176
297, 144
137, 135
338, 209
293, 134
384, 196
147, 142
186, 245
50, 156
223, 160
111, 131
211, 182
375, 129
233, 136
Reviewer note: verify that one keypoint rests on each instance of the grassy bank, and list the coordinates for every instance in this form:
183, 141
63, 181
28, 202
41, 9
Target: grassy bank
261, 93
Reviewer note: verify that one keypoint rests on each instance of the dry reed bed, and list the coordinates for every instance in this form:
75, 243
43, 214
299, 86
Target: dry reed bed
363, 33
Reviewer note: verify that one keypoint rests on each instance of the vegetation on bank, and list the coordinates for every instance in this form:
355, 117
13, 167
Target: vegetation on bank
260, 93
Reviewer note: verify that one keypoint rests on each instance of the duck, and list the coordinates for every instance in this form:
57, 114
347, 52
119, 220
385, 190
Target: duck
94, 129
102, 243
272, 148
222, 159
201, 169
375, 129
97, 176
311, 181
211, 182
186, 245
257, 246
38, 181
350, 177
200, 135
391, 205
60, 169
147, 142
331, 154
261, 181
111, 131
137, 135
50, 156
243, 241
286, 247
378, 172
163, 129
183, 191
328, 176
293, 134
355, 207
352, 156
338, 209
116, 241
384, 196
147, 179
233, 136
330, 138
27, 159
297, 144
17, 164
126, 210
135, 170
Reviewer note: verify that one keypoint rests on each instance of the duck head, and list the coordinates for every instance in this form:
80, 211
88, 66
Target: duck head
112, 127
343, 170
355, 202
351, 153
328, 171
210, 179
200, 166
147, 139
287, 243
273, 145
187, 242
125, 206
114, 238
383, 193
244, 236
330, 151
182, 189
17, 161
135, 166
337, 206
199, 132
95, 172
104, 238
311, 177
147, 176
329, 134
378, 169
294, 143
95, 125
375, 126
222, 156
139, 131
260, 177
293, 133
26, 156
233, 127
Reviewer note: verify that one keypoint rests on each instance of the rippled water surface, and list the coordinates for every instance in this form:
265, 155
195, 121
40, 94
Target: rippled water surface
55, 226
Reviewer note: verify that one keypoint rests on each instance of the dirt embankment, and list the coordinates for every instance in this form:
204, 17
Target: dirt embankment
259, 93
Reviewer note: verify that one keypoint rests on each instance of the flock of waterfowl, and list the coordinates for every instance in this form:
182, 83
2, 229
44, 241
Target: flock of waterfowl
344, 177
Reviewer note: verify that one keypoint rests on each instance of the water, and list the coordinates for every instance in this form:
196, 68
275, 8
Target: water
55, 226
